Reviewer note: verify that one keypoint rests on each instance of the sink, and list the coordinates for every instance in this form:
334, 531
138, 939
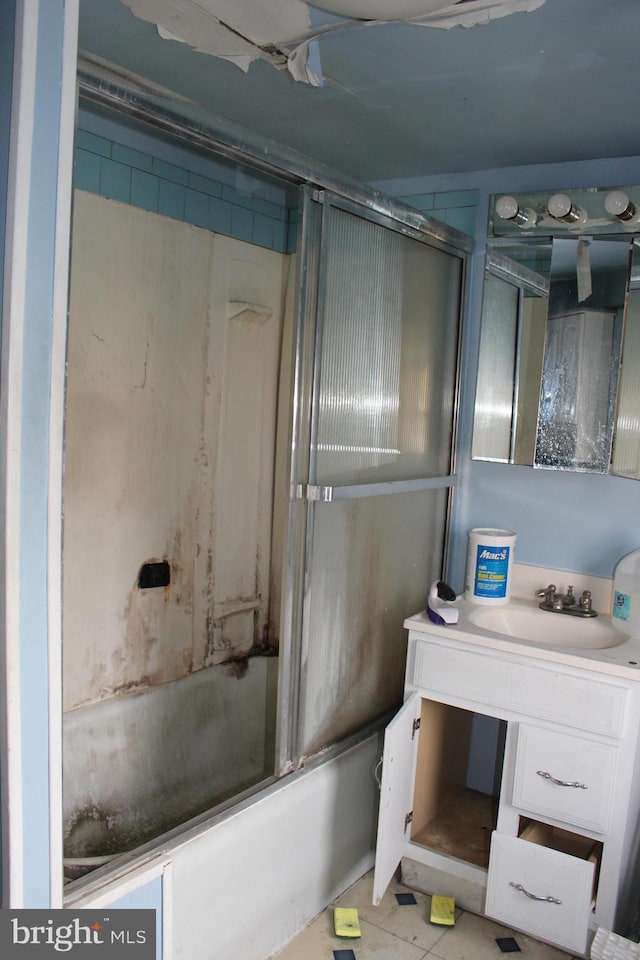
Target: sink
521, 621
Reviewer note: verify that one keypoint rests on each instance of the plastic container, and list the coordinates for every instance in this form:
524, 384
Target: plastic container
625, 610
489, 563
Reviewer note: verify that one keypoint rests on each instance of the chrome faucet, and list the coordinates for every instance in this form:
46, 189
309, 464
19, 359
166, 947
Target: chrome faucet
566, 602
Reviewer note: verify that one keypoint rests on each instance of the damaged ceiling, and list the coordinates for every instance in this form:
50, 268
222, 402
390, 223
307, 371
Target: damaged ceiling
445, 87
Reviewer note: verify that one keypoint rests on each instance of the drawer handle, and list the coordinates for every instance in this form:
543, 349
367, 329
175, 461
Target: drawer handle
532, 896
561, 783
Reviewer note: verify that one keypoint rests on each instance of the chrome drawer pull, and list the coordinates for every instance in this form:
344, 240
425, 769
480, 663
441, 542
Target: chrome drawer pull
561, 783
532, 896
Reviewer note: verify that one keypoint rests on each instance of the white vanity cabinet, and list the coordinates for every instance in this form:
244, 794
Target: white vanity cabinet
552, 850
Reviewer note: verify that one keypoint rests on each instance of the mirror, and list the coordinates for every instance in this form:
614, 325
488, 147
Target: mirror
626, 453
550, 349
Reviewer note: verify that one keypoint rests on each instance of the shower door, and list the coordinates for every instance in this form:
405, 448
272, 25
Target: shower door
371, 473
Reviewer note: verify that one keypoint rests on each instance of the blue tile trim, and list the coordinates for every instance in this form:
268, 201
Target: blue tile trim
131, 176
115, 180
144, 190
89, 141
87, 171
171, 200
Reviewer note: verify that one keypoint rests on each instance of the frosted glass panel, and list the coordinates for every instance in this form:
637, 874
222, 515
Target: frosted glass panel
389, 346
371, 564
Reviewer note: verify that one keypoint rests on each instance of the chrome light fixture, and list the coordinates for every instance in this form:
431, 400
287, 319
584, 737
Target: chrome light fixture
618, 205
508, 208
561, 207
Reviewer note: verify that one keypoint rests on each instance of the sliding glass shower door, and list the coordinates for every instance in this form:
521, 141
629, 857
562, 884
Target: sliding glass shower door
372, 475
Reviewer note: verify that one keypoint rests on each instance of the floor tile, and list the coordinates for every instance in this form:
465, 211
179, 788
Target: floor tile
474, 938
319, 941
410, 923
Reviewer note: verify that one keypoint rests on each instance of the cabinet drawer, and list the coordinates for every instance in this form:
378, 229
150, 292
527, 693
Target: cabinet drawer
595, 706
565, 778
517, 865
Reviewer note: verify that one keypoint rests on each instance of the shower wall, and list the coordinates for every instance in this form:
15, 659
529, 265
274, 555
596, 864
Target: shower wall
175, 338
174, 345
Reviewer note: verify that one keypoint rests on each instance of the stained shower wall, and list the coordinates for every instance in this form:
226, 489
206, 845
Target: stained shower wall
173, 361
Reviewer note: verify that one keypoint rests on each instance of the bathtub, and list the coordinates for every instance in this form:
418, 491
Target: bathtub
140, 764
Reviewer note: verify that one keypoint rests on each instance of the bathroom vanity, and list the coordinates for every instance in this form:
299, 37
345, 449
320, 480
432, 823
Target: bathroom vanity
552, 850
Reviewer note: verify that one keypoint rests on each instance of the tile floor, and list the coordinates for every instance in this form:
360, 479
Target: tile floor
394, 932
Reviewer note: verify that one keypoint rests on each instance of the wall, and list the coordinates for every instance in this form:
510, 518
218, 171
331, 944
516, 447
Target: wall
577, 522
32, 377
7, 26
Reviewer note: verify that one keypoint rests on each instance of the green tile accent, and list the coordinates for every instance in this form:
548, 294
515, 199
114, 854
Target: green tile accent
145, 189
115, 180
421, 201
461, 218
196, 208
238, 198
89, 141
171, 200
168, 171
241, 223
284, 235
456, 198
220, 216
135, 158
86, 174
133, 176
204, 185
269, 209
263, 230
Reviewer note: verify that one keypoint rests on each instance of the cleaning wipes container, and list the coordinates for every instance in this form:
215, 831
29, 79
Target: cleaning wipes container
489, 562
625, 611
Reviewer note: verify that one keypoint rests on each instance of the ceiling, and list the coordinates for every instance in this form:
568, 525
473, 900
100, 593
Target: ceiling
396, 99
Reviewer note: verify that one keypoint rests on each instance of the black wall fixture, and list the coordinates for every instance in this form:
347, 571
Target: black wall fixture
154, 574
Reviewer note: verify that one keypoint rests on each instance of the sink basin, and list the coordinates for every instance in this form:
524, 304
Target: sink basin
520, 621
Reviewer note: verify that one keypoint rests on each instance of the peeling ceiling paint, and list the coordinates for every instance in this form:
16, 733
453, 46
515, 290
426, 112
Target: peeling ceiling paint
281, 32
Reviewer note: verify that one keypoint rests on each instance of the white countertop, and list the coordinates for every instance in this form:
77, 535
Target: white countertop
622, 660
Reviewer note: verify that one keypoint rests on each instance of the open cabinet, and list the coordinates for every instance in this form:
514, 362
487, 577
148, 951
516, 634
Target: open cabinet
550, 850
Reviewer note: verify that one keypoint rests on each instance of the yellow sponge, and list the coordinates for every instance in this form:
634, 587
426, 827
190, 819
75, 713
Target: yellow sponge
345, 922
443, 911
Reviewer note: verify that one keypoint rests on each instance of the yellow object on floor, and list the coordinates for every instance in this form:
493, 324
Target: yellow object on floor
443, 911
345, 922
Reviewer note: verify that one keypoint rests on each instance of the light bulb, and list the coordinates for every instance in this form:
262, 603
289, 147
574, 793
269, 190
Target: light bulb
561, 208
618, 205
507, 208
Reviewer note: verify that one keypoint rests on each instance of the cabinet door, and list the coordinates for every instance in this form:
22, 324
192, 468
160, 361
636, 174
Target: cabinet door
396, 793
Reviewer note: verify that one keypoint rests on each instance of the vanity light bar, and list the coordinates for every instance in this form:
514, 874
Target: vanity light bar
599, 209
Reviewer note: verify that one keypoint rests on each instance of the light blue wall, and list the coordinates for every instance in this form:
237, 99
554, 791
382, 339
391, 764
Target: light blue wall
34, 458
7, 26
578, 522
148, 897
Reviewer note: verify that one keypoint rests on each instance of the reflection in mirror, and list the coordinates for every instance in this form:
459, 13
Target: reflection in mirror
549, 352
626, 454
582, 348
511, 349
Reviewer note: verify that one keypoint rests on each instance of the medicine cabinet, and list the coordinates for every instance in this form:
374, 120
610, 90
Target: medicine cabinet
559, 357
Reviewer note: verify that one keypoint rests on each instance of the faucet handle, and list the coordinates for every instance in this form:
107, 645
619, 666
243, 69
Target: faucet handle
585, 600
548, 594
